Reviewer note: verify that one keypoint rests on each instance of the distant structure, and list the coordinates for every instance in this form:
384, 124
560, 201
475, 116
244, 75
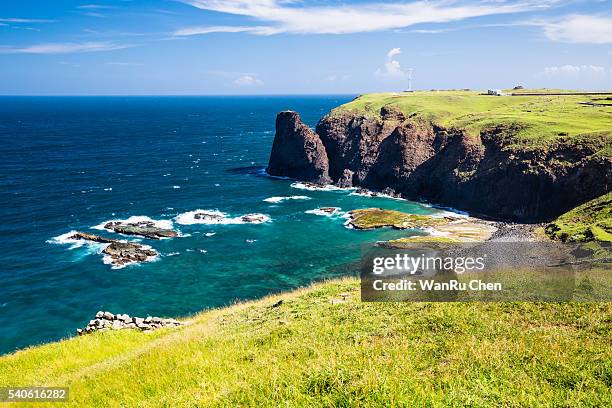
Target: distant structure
494, 92
518, 87
409, 80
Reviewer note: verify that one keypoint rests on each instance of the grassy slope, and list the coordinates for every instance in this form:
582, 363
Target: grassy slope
310, 352
590, 221
543, 117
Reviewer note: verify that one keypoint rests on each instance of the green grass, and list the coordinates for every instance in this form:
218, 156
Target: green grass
317, 350
369, 218
591, 221
540, 120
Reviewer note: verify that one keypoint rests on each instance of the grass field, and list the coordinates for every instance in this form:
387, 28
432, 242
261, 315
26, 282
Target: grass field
541, 119
587, 222
323, 347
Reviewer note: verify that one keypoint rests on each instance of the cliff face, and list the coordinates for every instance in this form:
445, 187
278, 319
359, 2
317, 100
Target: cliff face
297, 151
483, 174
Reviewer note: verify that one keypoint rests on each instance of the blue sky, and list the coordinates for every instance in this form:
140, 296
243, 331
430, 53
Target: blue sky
161, 47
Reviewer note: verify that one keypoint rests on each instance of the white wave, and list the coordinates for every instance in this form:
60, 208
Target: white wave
317, 211
316, 187
173, 254
66, 239
281, 199
214, 217
176, 187
108, 189
450, 212
163, 224
210, 234
374, 194
250, 241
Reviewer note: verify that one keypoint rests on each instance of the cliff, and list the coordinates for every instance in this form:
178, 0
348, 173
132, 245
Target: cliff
503, 168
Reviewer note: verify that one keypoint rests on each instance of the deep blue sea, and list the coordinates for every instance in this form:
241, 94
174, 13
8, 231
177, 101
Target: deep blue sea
71, 163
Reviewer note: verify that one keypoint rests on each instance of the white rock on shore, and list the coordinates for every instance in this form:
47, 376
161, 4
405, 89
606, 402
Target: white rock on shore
108, 321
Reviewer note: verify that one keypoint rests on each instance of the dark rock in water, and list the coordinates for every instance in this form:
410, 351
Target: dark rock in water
122, 253
91, 237
297, 151
254, 218
328, 210
211, 217
108, 321
346, 179
145, 229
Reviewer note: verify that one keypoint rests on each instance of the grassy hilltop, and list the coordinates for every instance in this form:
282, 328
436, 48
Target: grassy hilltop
542, 119
323, 347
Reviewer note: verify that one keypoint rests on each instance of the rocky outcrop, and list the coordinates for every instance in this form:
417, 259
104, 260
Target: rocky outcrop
297, 151
119, 253
124, 253
486, 174
108, 321
146, 229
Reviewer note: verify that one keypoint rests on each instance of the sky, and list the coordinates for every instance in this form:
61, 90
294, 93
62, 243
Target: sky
218, 47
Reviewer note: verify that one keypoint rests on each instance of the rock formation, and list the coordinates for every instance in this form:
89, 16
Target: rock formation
145, 229
297, 151
417, 159
120, 253
108, 321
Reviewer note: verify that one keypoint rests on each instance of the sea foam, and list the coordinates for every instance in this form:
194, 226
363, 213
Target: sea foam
163, 224
276, 200
216, 217
317, 211
316, 187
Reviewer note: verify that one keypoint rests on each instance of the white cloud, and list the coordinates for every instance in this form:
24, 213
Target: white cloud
426, 31
284, 17
393, 52
392, 68
575, 69
220, 29
25, 20
248, 80
580, 28
63, 48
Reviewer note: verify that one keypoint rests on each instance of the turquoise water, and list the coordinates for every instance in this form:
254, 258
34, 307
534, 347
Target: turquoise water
71, 163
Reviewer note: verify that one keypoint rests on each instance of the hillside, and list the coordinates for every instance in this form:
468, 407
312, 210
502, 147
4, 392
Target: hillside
519, 158
323, 347
590, 221
542, 119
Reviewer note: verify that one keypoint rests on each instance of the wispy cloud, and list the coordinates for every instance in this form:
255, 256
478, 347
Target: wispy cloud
576, 69
283, 16
25, 20
220, 29
579, 28
94, 7
248, 80
335, 77
431, 31
63, 48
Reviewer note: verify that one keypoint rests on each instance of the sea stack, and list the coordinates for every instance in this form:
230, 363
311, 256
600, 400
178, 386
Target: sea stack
297, 151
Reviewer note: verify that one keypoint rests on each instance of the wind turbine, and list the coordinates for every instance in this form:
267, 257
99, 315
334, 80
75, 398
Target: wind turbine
410, 79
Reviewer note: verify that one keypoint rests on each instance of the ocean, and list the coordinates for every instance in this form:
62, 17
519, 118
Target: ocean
73, 163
